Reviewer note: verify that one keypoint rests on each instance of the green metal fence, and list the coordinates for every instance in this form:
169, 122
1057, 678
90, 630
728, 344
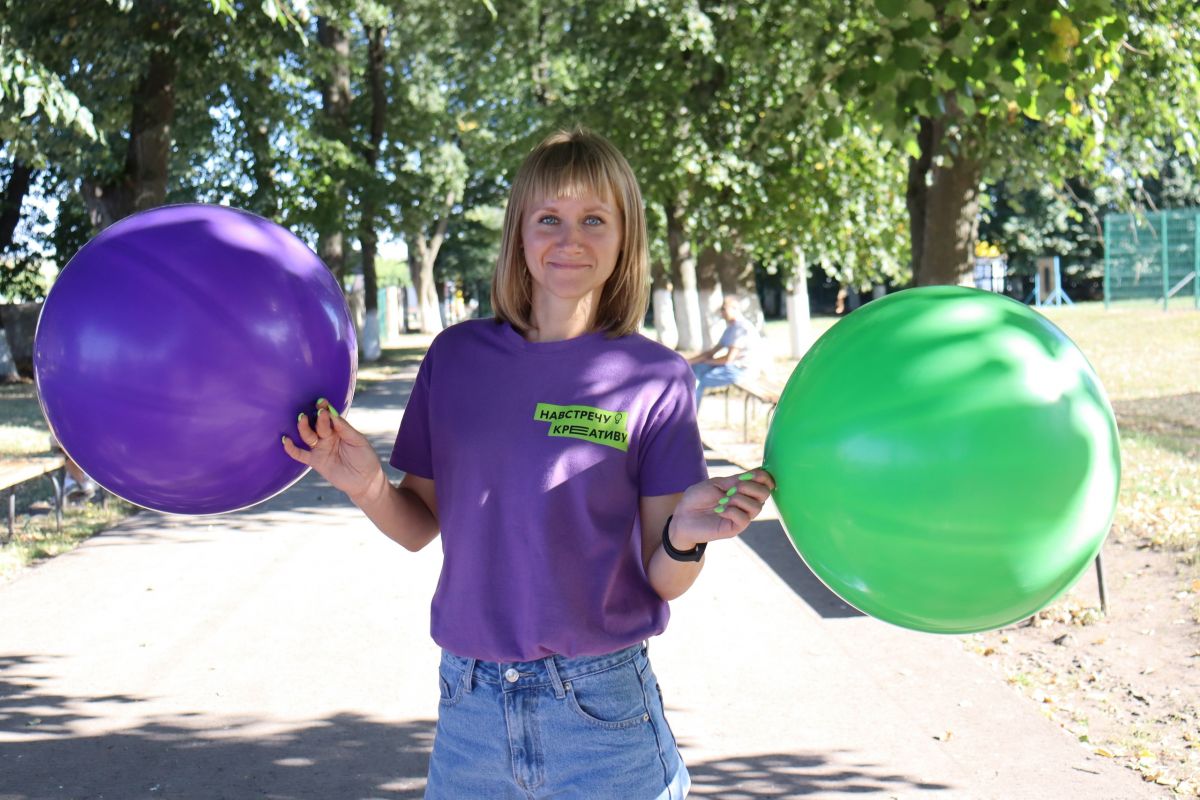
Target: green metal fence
1152, 256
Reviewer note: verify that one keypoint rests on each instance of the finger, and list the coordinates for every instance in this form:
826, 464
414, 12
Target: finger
324, 429
754, 489
307, 434
752, 508
290, 448
739, 502
345, 430
734, 520
738, 480
760, 476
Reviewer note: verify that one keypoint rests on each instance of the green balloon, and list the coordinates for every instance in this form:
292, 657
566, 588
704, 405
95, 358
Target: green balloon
945, 459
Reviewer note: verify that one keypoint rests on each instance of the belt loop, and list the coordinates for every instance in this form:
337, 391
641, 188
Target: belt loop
469, 675
559, 691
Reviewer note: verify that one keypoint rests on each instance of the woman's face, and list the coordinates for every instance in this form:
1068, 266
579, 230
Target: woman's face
571, 246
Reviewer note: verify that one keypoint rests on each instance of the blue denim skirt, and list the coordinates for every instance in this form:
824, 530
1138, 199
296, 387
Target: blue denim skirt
562, 728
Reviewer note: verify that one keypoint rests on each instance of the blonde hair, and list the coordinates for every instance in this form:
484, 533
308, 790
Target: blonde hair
569, 164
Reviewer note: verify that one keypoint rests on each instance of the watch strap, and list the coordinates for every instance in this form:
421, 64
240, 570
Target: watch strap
695, 554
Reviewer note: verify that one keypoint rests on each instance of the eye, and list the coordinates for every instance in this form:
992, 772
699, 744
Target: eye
593, 220
547, 219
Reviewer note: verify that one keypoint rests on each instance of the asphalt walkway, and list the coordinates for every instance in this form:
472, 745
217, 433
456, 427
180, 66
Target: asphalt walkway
283, 652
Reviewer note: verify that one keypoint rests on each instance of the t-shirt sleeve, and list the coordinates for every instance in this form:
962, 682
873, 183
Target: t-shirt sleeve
672, 457
735, 335
413, 452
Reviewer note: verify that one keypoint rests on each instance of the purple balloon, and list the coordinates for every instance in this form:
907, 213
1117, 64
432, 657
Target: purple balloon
180, 344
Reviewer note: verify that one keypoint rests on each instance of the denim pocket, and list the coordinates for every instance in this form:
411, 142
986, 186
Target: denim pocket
450, 683
612, 699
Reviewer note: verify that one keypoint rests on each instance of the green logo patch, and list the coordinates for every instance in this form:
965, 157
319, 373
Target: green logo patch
584, 422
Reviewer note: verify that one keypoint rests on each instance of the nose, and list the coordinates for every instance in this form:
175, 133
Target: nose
570, 237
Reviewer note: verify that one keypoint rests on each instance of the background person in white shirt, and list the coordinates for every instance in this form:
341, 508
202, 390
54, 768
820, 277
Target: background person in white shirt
735, 355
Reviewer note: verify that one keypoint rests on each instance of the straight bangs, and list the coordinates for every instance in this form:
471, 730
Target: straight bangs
572, 165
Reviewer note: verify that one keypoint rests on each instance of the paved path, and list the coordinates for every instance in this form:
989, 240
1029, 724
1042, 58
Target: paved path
283, 652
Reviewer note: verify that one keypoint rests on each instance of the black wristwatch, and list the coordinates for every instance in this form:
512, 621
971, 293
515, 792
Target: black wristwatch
695, 554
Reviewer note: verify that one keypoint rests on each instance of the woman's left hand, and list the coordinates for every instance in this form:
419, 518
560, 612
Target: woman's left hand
720, 508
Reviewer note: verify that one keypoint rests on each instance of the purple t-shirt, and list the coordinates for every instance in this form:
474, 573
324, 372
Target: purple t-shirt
539, 453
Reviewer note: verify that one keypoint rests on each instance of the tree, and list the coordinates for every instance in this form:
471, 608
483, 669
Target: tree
966, 88
120, 61
1067, 220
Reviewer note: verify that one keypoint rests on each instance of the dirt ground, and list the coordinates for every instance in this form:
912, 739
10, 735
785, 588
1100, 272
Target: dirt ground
1125, 683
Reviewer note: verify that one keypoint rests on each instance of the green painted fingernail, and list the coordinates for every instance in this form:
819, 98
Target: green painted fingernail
731, 492
723, 501
321, 400
333, 412
719, 510
301, 417
749, 476
283, 439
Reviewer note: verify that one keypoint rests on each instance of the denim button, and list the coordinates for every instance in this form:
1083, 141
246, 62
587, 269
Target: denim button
511, 675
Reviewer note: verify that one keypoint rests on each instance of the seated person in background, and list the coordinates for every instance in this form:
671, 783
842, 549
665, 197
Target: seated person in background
78, 487
735, 355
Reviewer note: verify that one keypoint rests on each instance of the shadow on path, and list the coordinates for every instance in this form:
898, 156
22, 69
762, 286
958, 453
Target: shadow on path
767, 538
783, 775
340, 756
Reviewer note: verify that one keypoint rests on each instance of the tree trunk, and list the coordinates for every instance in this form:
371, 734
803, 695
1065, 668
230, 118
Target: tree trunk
368, 237
943, 209
736, 271
709, 291
799, 314
664, 311
335, 96
951, 223
10, 204
420, 269
683, 277
142, 182
914, 197
422, 255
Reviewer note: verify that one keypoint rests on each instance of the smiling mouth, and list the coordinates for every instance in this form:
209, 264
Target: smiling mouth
561, 265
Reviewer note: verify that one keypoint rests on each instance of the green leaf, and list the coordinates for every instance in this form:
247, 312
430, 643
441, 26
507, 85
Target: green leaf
32, 96
1115, 31
907, 58
890, 8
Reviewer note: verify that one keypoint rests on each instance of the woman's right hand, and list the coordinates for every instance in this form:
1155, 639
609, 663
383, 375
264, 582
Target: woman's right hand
338, 452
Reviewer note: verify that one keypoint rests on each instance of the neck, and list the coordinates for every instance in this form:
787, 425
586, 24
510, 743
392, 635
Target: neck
556, 322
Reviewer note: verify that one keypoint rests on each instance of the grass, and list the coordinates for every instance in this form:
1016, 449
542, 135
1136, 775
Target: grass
1148, 361
37, 537
23, 431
